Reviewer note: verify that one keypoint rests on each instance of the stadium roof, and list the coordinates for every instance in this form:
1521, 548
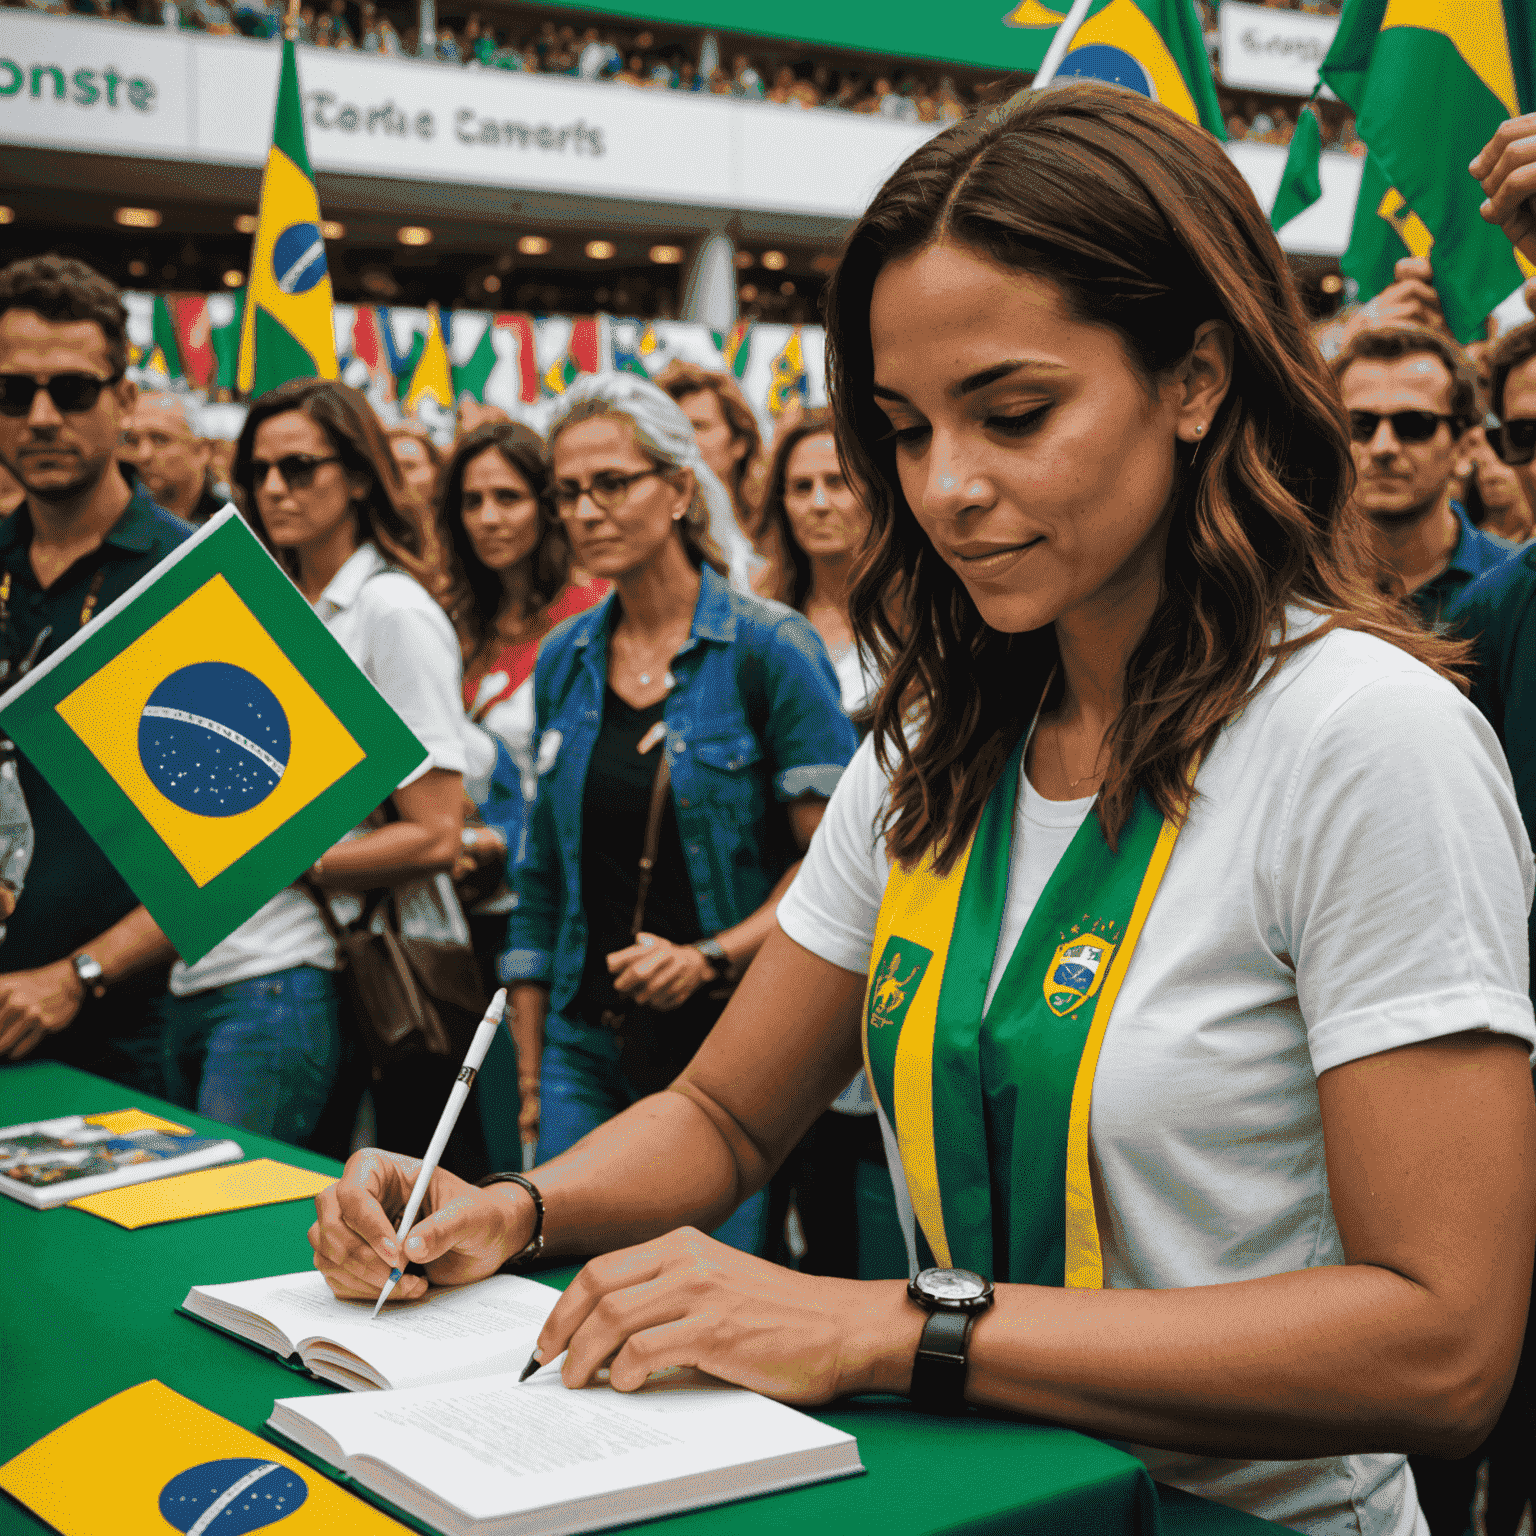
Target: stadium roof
985, 34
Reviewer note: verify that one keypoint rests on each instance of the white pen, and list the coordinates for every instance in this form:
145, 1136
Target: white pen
460, 1091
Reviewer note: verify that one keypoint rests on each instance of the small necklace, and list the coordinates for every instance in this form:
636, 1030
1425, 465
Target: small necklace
1073, 783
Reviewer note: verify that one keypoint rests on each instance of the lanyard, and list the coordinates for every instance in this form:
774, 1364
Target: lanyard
25, 665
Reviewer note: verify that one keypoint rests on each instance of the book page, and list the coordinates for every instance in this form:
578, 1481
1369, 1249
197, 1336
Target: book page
495, 1447
451, 1334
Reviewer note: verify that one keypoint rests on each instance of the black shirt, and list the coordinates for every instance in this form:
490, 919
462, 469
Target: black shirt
72, 891
615, 802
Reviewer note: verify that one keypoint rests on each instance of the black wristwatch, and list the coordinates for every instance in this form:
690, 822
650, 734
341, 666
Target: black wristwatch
714, 951
953, 1300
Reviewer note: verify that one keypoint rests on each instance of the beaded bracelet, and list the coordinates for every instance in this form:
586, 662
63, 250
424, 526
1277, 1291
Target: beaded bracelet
535, 1245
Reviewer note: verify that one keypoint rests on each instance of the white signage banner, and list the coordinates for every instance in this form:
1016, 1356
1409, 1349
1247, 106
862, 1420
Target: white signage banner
1270, 50
78, 84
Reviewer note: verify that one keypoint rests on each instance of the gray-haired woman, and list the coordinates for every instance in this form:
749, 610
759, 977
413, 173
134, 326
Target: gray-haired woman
678, 671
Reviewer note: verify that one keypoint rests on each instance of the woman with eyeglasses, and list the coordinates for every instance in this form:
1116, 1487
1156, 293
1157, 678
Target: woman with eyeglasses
252, 1033
682, 724
1177, 898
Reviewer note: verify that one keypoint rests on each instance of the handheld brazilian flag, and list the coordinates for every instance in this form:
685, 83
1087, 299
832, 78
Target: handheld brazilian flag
149, 1461
1153, 47
210, 734
1430, 81
287, 332
1301, 182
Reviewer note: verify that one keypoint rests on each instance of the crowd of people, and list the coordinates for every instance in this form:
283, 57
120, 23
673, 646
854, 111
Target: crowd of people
635, 57
699, 707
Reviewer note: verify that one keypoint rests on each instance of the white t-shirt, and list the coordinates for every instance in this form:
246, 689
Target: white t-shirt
1353, 876
390, 626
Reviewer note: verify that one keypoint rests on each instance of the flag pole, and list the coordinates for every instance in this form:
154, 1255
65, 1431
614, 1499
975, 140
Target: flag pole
1061, 42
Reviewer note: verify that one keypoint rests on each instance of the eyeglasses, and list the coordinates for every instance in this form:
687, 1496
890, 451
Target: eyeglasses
1514, 441
607, 490
70, 392
297, 470
1407, 426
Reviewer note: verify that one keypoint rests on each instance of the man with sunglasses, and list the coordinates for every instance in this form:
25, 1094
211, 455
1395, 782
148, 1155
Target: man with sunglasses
78, 956
1412, 396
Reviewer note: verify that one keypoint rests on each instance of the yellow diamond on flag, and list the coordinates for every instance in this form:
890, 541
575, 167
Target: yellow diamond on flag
210, 731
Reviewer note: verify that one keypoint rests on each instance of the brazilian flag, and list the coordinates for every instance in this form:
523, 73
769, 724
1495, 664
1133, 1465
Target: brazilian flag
210, 734
287, 331
1153, 47
1430, 81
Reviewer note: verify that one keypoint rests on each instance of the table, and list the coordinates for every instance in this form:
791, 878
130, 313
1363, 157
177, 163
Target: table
91, 1311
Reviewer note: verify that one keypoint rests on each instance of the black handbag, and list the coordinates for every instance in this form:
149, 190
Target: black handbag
656, 1044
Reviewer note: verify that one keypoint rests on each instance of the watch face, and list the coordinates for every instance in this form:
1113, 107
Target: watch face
952, 1284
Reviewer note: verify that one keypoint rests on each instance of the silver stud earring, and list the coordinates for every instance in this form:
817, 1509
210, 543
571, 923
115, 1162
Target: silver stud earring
1199, 430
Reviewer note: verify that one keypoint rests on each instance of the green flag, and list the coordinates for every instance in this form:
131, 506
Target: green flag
471, 376
210, 734
1300, 184
225, 312
1430, 81
1154, 47
165, 350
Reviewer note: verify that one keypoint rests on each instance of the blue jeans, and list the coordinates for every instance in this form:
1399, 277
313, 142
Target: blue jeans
260, 1054
581, 1087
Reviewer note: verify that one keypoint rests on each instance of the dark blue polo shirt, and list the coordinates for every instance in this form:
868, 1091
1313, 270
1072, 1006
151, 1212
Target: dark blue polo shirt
1497, 613
1475, 554
72, 891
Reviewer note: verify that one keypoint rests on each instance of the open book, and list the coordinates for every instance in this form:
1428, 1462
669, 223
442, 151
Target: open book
493, 1457
449, 1335
454, 1440
48, 1162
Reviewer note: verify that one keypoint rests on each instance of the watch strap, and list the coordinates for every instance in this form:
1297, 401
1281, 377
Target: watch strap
939, 1371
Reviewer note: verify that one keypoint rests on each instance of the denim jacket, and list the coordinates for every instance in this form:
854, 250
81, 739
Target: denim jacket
754, 716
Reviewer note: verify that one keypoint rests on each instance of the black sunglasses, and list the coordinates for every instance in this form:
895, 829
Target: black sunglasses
1407, 426
1514, 441
297, 469
70, 392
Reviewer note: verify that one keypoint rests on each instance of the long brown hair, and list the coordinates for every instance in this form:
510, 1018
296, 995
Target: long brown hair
681, 379
387, 515
476, 590
1145, 226
773, 530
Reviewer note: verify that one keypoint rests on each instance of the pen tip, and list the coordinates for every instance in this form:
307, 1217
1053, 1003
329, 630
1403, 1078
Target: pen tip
533, 1364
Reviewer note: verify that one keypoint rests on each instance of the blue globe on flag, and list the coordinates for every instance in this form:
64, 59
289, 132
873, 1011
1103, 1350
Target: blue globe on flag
231, 1497
298, 258
1101, 61
213, 739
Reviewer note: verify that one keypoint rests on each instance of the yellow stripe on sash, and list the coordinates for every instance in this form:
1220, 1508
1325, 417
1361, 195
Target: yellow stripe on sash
925, 904
1084, 1258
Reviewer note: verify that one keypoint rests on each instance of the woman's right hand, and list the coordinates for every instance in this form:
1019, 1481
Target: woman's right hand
462, 1233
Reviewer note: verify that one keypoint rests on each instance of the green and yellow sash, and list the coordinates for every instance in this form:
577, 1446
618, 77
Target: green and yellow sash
991, 1109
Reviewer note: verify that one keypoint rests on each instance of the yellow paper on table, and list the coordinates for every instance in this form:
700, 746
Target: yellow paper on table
205, 1193
123, 1122
149, 1460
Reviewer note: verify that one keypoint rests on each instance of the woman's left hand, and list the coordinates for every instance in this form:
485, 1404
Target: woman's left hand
658, 973
687, 1300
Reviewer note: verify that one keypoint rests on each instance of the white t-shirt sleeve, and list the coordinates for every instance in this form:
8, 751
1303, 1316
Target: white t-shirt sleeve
1402, 874
411, 656
832, 906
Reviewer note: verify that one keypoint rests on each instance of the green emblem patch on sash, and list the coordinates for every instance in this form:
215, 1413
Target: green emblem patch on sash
896, 980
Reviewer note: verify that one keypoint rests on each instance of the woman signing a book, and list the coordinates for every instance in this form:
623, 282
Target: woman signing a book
1176, 903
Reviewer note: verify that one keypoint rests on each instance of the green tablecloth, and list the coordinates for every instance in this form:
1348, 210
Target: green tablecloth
91, 1310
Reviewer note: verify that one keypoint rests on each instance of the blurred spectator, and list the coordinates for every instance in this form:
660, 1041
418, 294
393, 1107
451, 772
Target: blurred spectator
419, 459
598, 57
727, 433
161, 439
745, 80
341, 29
1492, 494
1411, 397
448, 50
